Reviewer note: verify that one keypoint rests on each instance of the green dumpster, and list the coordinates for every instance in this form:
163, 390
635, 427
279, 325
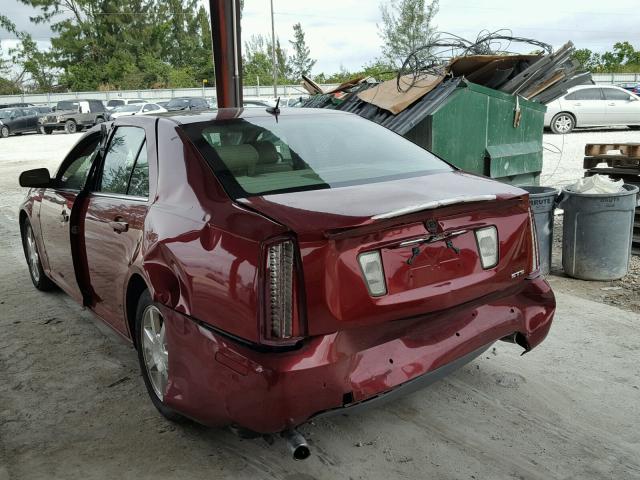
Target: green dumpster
474, 128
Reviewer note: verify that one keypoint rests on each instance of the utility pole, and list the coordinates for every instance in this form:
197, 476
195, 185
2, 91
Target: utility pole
273, 55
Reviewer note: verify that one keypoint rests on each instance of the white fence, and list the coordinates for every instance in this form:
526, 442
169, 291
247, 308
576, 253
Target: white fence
210, 92
153, 95
616, 78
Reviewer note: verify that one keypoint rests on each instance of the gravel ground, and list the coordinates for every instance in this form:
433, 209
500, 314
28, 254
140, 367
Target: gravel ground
73, 406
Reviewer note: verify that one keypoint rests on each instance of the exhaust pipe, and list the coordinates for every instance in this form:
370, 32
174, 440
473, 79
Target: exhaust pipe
297, 444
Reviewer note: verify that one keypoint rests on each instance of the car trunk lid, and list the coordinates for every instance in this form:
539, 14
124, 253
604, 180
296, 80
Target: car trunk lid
425, 236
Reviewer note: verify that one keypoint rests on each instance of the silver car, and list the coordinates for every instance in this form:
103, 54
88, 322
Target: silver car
593, 106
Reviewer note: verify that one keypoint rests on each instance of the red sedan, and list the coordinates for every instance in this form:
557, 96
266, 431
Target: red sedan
270, 269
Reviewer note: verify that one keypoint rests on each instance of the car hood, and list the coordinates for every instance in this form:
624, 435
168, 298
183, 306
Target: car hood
335, 209
59, 113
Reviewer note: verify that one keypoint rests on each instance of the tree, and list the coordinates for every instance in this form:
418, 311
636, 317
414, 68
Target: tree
125, 43
301, 61
257, 62
406, 25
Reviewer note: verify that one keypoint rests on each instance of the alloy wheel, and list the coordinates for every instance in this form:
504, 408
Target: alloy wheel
154, 350
32, 255
4, 132
563, 123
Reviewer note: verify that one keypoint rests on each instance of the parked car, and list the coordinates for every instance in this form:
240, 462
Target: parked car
258, 102
42, 109
136, 109
187, 103
119, 102
73, 115
593, 106
631, 87
15, 105
162, 103
268, 276
17, 121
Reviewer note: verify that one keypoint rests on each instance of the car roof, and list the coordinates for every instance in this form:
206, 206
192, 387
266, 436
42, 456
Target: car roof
582, 87
185, 118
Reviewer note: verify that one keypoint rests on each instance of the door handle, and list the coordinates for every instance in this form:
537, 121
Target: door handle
119, 226
577, 104
64, 216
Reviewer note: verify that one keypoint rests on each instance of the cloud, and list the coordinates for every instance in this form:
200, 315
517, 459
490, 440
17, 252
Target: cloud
344, 32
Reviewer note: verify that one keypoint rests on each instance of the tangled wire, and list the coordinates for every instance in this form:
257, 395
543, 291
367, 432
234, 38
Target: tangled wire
432, 58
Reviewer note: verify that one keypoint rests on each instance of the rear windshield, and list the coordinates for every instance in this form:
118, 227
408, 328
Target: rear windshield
259, 156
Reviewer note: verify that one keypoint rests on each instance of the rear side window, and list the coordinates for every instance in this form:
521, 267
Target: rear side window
613, 94
96, 106
124, 148
585, 94
264, 155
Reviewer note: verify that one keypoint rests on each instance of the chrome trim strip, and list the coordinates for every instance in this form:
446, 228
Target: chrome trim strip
432, 205
120, 197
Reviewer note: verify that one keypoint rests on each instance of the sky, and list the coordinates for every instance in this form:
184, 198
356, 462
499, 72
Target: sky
344, 32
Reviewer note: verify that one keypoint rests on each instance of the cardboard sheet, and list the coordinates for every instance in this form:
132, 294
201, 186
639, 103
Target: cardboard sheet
387, 96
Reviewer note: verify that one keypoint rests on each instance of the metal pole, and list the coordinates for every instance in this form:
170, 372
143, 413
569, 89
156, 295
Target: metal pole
227, 54
273, 54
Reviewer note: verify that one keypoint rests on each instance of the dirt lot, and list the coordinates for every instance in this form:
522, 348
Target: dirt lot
72, 405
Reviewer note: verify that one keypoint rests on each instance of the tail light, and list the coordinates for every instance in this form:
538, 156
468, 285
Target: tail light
535, 254
487, 240
281, 317
371, 266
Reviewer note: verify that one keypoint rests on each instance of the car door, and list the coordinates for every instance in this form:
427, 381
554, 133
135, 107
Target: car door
56, 210
18, 120
30, 120
622, 108
114, 220
588, 106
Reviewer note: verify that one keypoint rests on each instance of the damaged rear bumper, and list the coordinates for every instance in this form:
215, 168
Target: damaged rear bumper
218, 381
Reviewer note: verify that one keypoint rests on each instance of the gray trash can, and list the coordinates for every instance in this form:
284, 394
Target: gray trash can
597, 233
543, 204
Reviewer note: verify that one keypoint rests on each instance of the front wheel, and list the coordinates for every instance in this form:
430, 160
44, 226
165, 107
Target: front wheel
46, 130
70, 126
38, 277
153, 353
4, 131
562, 123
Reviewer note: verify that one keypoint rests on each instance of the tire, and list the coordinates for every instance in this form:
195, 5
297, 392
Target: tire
563, 123
45, 130
70, 126
4, 132
148, 316
32, 256
99, 120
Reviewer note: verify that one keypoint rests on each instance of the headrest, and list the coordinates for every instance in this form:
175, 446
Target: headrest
267, 153
239, 159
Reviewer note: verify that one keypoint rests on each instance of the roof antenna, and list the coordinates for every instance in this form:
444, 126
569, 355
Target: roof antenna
275, 110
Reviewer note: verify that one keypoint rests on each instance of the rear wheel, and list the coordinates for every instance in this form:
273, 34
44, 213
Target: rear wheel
38, 277
562, 123
70, 126
4, 131
153, 353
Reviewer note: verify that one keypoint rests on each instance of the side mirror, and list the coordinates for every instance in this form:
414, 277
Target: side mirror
36, 178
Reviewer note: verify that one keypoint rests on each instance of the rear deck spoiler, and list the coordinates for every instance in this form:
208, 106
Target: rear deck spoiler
433, 205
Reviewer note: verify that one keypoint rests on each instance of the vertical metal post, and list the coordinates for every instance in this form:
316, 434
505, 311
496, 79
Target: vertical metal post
273, 54
227, 51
